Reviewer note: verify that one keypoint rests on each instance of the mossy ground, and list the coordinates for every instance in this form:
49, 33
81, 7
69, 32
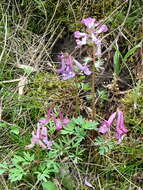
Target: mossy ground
29, 32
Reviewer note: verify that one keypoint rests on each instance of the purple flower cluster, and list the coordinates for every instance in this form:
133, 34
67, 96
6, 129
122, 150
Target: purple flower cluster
120, 127
60, 121
67, 67
40, 137
93, 29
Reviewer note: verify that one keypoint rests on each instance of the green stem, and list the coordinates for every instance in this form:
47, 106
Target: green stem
77, 98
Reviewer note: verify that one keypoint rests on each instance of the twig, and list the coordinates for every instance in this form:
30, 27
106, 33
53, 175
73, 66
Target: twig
5, 39
10, 81
93, 85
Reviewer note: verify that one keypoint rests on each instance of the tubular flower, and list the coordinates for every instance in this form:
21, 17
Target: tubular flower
88, 22
40, 138
67, 67
94, 28
85, 69
79, 34
120, 127
59, 122
104, 128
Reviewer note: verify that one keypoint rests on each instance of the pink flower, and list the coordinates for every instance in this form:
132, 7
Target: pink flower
96, 40
40, 138
88, 22
81, 42
120, 127
59, 122
84, 69
79, 34
102, 28
46, 120
93, 30
104, 128
67, 66
66, 69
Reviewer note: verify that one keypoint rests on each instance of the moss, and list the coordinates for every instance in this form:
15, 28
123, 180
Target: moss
46, 90
133, 106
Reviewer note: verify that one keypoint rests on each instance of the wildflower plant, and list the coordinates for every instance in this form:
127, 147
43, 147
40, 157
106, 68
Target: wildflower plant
120, 130
47, 153
91, 38
40, 137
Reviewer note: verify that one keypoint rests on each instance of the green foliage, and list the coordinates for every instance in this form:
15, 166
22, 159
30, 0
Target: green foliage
46, 169
120, 60
102, 95
66, 178
14, 129
16, 169
16, 173
48, 185
21, 165
79, 127
3, 167
131, 52
105, 146
117, 65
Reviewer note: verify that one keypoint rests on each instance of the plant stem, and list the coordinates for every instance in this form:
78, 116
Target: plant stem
93, 84
77, 98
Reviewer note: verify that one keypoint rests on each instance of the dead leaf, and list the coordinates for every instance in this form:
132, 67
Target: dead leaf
26, 67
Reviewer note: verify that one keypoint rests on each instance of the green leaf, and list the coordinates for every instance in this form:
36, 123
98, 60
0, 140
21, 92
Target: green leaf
15, 129
131, 52
67, 180
17, 159
103, 95
28, 70
116, 62
79, 120
87, 59
16, 173
3, 124
28, 157
4, 165
48, 185
2, 171
90, 125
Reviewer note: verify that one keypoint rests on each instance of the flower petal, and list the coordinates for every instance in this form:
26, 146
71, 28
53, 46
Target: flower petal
78, 34
68, 75
104, 128
85, 69
111, 118
88, 22
102, 28
120, 127
65, 121
81, 42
